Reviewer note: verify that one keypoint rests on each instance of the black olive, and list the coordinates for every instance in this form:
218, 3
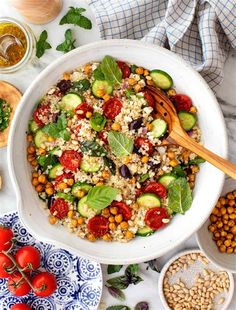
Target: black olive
136, 150
125, 172
55, 117
64, 85
51, 200
136, 124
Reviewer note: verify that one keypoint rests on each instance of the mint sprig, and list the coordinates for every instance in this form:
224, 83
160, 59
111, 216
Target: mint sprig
42, 45
58, 129
74, 16
69, 43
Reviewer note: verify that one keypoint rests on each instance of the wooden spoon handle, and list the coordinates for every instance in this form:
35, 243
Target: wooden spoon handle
219, 162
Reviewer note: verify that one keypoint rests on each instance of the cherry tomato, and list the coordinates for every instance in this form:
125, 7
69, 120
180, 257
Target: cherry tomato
82, 109
103, 136
138, 192
60, 208
112, 107
28, 256
123, 209
44, 284
21, 306
155, 188
124, 68
154, 218
5, 265
98, 225
182, 102
41, 114
17, 285
70, 160
6, 236
150, 99
145, 144
60, 178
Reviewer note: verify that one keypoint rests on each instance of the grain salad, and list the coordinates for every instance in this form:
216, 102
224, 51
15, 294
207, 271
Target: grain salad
102, 161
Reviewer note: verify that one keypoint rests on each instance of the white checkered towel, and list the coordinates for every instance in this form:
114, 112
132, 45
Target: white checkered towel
200, 31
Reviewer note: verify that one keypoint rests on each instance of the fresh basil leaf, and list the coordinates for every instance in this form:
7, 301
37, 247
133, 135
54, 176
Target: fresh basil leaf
92, 148
152, 265
144, 177
81, 85
178, 170
99, 197
179, 196
110, 164
196, 161
74, 16
118, 307
64, 134
131, 270
69, 43
97, 121
133, 68
120, 144
142, 305
42, 45
45, 161
116, 293
98, 74
113, 268
111, 70
51, 130
136, 280
61, 122
119, 282
5, 112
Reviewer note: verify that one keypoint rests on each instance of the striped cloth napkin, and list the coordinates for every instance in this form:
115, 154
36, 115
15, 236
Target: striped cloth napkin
199, 31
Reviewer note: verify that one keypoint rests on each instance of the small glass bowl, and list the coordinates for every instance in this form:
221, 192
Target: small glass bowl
31, 43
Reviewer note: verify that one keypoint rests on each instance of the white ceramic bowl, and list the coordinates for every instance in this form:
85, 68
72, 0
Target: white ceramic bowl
208, 246
209, 180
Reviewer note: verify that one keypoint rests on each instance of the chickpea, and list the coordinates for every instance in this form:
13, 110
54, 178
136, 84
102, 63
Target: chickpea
66, 76
114, 210
49, 191
150, 82
129, 235
171, 155
230, 196
35, 181
219, 224
100, 92
116, 126
226, 227
124, 225
74, 223
31, 149
91, 237
62, 186
118, 218
42, 179
137, 88
105, 174
48, 185
111, 219
29, 138
229, 250
234, 193
132, 81
70, 182
211, 228
106, 237
126, 159
234, 250
232, 216
223, 233
173, 163
106, 97
89, 114
135, 206
41, 151
214, 212
231, 223
216, 234
219, 243
30, 157
39, 188
229, 236
52, 220
213, 218
191, 177
225, 217
50, 139
233, 230
139, 70
222, 200
80, 194
80, 220
112, 226
195, 169
34, 163
227, 243
146, 72
99, 183
222, 248
70, 214
35, 174
231, 203
233, 244
223, 211
218, 204
106, 212
144, 159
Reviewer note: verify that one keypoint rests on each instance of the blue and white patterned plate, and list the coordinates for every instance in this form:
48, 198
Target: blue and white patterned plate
79, 280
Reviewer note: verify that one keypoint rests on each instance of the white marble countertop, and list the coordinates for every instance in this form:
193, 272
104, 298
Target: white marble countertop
147, 290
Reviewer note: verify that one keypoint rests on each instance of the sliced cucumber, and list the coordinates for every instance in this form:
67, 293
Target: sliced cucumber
145, 231
149, 201
33, 127
187, 120
161, 79
90, 164
167, 178
67, 197
84, 209
80, 186
104, 86
53, 172
69, 102
159, 128
40, 138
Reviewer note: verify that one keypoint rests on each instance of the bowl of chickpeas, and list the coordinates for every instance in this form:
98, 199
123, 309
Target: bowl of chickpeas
217, 236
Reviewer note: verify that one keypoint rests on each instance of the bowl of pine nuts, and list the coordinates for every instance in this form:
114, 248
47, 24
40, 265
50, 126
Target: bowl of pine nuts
190, 281
217, 236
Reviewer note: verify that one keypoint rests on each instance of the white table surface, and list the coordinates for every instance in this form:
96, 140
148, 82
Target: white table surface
146, 290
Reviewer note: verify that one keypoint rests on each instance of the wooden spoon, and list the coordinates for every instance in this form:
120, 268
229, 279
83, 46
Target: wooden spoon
167, 110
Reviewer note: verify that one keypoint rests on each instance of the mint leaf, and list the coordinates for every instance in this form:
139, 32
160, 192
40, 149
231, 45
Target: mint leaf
118, 307
51, 130
120, 144
178, 171
113, 268
64, 134
45, 161
110, 164
196, 161
111, 70
119, 282
179, 196
99, 197
116, 293
69, 43
42, 45
58, 129
61, 122
5, 112
81, 85
98, 74
92, 148
74, 16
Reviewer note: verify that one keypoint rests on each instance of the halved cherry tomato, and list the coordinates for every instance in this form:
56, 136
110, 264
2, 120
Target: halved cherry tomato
28, 258
6, 236
98, 225
124, 68
45, 284
138, 192
145, 144
21, 306
82, 109
154, 218
103, 136
17, 285
63, 176
5, 265
70, 159
123, 209
150, 99
41, 114
155, 188
60, 208
112, 107
182, 102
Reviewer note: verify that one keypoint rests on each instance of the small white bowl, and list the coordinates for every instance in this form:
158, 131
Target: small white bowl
228, 296
208, 246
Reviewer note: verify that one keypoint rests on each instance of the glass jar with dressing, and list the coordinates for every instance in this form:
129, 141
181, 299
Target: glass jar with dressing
17, 45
